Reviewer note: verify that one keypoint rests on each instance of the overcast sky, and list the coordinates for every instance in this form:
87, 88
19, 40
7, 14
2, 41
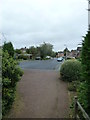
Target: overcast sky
32, 22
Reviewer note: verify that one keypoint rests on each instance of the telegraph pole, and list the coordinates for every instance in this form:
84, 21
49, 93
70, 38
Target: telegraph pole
89, 15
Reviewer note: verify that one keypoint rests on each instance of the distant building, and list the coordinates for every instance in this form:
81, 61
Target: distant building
73, 53
29, 56
79, 49
70, 54
76, 53
23, 50
60, 54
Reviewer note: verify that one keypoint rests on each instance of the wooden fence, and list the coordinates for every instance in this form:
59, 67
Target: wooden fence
78, 108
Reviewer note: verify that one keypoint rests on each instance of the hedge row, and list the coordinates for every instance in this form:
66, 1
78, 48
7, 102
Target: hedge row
11, 74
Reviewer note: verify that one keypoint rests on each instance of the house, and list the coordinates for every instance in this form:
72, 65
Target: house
73, 53
76, 53
70, 54
79, 49
23, 50
28, 56
60, 54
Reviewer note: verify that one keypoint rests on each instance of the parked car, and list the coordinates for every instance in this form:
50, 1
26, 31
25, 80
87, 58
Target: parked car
60, 59
70, 58
48, 57
38, 58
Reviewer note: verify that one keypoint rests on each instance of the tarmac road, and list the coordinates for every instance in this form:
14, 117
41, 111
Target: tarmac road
41, 94
51, 64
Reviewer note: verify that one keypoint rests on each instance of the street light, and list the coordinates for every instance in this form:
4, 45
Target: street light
65, 51
89, 15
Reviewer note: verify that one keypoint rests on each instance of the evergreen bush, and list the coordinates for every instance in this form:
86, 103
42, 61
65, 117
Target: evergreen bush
9, 48
10, 75
82, 94
70, 70
84, 89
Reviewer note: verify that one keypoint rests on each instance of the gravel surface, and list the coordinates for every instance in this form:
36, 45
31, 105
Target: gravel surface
41, 95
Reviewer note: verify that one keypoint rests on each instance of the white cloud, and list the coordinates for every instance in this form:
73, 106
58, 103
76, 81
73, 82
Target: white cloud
30, 22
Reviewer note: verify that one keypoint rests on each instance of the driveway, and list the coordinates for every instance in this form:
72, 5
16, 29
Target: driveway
41, 95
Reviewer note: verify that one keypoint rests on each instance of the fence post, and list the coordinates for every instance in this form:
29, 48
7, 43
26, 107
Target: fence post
75, 107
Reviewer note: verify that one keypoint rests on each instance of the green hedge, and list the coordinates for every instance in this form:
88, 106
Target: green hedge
11, 74
70, 70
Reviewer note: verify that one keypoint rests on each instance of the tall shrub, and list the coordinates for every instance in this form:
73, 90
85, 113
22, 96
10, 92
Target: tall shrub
70, 70
10, 76
9, 48
85, 60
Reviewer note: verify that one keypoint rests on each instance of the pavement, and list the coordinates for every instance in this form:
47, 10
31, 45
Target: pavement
41, 94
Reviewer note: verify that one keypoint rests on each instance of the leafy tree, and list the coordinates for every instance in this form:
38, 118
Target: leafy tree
18, 51
45, 50
28, 51
53, 54
38, 51
9, 48
65, 51
32, 50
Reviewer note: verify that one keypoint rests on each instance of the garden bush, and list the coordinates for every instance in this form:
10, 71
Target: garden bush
72, 86
11, 74
70, 70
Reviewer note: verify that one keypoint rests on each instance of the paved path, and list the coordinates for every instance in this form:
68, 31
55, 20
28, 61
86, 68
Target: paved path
41, 95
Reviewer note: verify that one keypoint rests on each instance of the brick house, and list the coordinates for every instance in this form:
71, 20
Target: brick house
60, 54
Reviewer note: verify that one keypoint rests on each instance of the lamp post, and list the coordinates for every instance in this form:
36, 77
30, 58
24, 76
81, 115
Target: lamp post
89, 15
65, 51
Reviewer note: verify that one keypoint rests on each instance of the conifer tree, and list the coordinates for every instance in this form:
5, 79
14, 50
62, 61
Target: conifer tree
85, 60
